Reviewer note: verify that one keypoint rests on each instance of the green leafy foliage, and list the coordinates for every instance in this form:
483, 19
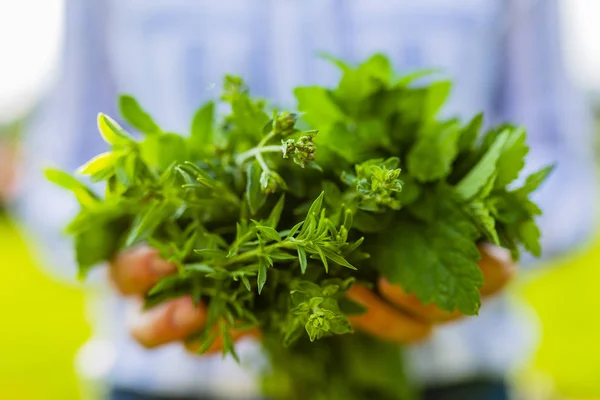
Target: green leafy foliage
272, 216
431, 157
112, 133
377, 183
433, 254
201, 132
136, 116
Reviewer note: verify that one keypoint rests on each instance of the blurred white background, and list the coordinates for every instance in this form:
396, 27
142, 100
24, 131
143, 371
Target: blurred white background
30, 36
582, 48
31, 30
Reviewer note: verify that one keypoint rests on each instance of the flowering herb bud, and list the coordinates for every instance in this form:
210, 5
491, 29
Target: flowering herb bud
270, 181
301, 151
284, 124
377, 183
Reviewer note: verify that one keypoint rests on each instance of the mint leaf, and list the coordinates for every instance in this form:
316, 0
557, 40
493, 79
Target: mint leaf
247, 118
378, 66
359, 83
484, 220
534, 181
101, 167
529, 235
112, 133
432, 156
63, 179
201, 137
469, 134
136, 116
512, 159
483, 171
160, 151
437, 94
97, 245
84, 195
437, 261
319, 108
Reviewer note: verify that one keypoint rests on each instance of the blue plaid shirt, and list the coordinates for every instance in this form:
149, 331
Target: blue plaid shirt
504, 56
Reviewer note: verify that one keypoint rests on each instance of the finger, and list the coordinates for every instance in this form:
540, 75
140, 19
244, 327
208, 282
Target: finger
497, 267
411, 304
137, 270
172, 321
383, 320
194, 346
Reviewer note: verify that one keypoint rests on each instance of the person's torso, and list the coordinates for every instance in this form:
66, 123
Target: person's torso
172, 54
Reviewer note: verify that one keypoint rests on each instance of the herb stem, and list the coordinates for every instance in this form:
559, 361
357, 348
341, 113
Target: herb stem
224, 192
231, 197
256, 152
263, 163
255, 253
268, 137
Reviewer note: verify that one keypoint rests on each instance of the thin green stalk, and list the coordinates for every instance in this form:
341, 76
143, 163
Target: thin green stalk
255, 152
255, 253
266, 139
263, 163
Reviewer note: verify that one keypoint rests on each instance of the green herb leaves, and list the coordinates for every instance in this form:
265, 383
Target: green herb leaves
431, 157
201, 132
377, 184
317, 310
136, 116
270, 224
433, 254
112, 132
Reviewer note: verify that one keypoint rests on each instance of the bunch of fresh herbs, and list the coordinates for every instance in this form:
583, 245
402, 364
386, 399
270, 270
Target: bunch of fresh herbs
272, 216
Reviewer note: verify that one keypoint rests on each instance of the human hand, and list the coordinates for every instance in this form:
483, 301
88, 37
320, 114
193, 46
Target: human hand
134, 272
396, 316
8, 169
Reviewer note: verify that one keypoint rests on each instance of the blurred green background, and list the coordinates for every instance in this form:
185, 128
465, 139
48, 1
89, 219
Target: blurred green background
567, 304
42, 326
